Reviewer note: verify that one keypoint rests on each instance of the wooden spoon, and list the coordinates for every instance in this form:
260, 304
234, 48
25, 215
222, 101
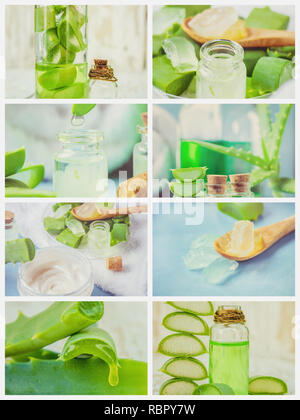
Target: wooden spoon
264, 238
257, 37
107, 213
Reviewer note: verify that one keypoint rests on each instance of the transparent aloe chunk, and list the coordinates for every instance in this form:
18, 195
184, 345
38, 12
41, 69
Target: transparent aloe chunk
181, 53
166, 17
219, 271
201, 254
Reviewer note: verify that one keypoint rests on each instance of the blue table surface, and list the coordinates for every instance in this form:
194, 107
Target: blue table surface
11, 275
270, 274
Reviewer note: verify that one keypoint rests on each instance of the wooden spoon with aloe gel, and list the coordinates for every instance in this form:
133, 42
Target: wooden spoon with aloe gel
263, 239
90, 211
256, 37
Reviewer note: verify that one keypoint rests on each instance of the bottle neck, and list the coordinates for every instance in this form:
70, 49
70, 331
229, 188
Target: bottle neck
222, 55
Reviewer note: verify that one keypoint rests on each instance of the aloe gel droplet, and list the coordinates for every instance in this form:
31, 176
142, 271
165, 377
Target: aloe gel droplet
77, 120
229, 350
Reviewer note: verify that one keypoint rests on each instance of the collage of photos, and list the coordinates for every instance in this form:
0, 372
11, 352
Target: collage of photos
149, 202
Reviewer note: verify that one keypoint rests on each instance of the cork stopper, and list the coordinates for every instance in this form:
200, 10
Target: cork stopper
216, 184
9, 218
102, 71
229, 316
144, 117
114, 263
240, 182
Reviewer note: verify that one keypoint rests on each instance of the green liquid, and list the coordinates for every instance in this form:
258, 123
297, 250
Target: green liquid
229, 364
194, 155
61, 81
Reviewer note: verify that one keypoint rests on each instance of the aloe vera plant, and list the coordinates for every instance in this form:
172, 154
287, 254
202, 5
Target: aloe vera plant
93, 342
74, 377
58, 321
266, 167
21, 180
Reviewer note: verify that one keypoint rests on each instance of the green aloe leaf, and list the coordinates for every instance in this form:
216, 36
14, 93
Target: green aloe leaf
11, 191
75, 377
213, 389
185, 322
14, 161
198, 308
186, 368
242, 211
82, 109
19, 250
93, 342
259, 175
178, 386
31, 176
267, 385
58, 321
286, 185
237, 153
181, 344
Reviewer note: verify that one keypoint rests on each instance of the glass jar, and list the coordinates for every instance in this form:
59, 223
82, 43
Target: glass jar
61, 69
240, 185
103, 89
222, 71
80, 167
98, 238
229, 350
140, 152
56, 271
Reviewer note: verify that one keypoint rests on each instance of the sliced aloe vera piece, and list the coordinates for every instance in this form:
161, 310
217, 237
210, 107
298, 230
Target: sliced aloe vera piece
93, 342
181, 344
266, 18
251, 57
189, 174
76, 227
44, 18
119, 233
14, 161
271, 72
178, 386
213, 389
186, 368
185, 322
58, 78
54, 225
27, 192
76, 91
50, 40
14, 183
75, 377
165, 17
242, 211
82, 109
19, 250
198, 308
59, 55
62, 210
70, 36
181, 53
168, 79
267, 385
186, 188
59, 320
68, 238
31, 176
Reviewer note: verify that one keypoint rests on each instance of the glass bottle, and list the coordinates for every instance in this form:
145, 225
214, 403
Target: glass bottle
103, 82
222, 71
11, 231
61, 69
80, 167
229, 350
140, 151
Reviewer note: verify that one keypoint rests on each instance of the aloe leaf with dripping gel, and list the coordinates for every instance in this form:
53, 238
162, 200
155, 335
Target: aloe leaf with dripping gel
181, 344
267, 385
198, 308
58, 321
75, 377
82, 109
185, 322
213, 389
14, 161
186, 368
178, 386
93, 342
242, 211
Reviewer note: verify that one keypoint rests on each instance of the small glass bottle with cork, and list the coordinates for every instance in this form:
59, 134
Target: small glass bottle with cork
11, 230
140, 151
103, 82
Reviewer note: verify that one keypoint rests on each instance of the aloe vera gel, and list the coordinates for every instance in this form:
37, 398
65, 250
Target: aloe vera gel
229, 350
61, 67
80, 167
222, 72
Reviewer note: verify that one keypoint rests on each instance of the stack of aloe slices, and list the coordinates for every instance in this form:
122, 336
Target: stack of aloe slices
175, 54
72, 232
87, 365
184, 346
20, 180
189, 182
